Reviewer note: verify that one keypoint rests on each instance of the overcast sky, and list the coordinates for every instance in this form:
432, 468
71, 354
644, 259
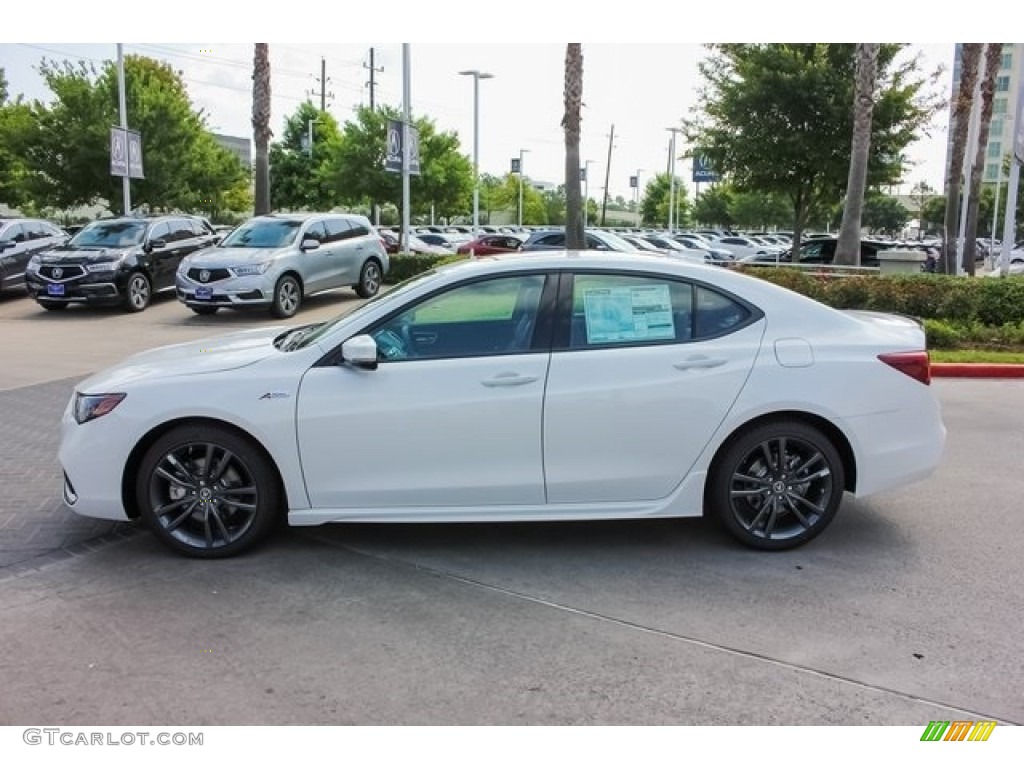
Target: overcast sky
641, 88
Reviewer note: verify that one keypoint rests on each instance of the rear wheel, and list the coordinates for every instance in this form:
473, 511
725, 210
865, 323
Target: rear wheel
778, 485
138, 292
208, 492
287, 297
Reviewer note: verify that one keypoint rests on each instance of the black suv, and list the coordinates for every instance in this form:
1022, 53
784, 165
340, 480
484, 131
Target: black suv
117, 261
822, 250
20, 240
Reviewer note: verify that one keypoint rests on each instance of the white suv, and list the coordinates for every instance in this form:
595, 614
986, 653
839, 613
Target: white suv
276, 260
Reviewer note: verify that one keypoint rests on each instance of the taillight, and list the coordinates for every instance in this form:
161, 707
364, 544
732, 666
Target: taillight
917, 365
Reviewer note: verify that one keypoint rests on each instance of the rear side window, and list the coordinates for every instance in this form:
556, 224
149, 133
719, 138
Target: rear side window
631, 310
338, 229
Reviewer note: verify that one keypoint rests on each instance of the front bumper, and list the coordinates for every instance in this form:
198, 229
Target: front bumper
252, 291
91, 288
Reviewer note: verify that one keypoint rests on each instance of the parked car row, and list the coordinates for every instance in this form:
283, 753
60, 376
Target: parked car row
272, 262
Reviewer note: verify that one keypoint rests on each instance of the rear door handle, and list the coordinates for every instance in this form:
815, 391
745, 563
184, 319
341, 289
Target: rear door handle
508, 379
698, 362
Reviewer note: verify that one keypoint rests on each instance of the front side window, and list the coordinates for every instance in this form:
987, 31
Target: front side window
110, 234
263, 233
488, 317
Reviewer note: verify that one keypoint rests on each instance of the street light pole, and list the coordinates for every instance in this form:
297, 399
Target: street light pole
672, 180
639, 217
586, 190
521, 153
126, 184
477, 76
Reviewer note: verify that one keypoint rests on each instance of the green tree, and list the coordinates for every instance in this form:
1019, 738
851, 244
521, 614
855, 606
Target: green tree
261, 124
883, 213
446, 175
573, 100
302, 175
777, 118
554, 205
758, 210
655, 205
933, 213
713, 207
16, 130
993, 57
67, 147
962, 108
848, 245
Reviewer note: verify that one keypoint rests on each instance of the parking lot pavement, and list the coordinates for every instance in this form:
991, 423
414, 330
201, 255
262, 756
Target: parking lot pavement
44, 354
908, 609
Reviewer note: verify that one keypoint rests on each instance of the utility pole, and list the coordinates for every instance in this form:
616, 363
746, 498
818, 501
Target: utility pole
374, 206
521, 153
323, 85
373, 82
607, 172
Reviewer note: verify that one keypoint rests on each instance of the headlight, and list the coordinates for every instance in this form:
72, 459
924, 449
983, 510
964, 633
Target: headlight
89, 407
104, 266
34, 263
246, 270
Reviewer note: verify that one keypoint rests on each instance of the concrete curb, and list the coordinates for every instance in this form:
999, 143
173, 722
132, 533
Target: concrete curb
978, 370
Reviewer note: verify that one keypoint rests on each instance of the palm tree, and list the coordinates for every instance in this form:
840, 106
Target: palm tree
993, 56
970, 54
574, 236
848, 246
261, 125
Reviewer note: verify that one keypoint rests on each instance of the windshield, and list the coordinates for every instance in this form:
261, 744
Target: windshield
110, 234
263, 233
324, 328
617, 242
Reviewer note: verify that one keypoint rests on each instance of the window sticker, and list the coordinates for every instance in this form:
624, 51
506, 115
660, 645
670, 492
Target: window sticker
634, 313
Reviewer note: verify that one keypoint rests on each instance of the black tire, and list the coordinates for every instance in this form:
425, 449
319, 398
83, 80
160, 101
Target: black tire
370, 279
53, 305
287, 297
208, 492
203, 310
770, 504
138, 292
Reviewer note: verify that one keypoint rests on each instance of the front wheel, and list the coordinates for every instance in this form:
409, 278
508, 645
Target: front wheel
370, 279
138, 292
287, 297
777, 486
208, 492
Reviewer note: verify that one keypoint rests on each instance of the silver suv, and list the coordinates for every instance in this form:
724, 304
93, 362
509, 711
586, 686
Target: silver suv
276, 260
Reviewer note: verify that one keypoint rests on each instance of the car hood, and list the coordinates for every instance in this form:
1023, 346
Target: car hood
226, 257
222, 353
65, 254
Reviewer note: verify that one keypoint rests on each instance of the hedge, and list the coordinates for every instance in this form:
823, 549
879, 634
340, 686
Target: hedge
406, 265
961, 300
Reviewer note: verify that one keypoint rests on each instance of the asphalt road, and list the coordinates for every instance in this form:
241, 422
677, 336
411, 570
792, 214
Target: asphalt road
908, 609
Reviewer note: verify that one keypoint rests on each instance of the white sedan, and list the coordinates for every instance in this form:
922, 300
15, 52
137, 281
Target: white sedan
549, 386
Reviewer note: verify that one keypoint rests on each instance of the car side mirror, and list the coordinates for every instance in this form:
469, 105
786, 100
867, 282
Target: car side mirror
309, 244
361, 352
157, 244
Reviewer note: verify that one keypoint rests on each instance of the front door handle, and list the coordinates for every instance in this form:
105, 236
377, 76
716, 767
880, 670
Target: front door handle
698, 362
508, 379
